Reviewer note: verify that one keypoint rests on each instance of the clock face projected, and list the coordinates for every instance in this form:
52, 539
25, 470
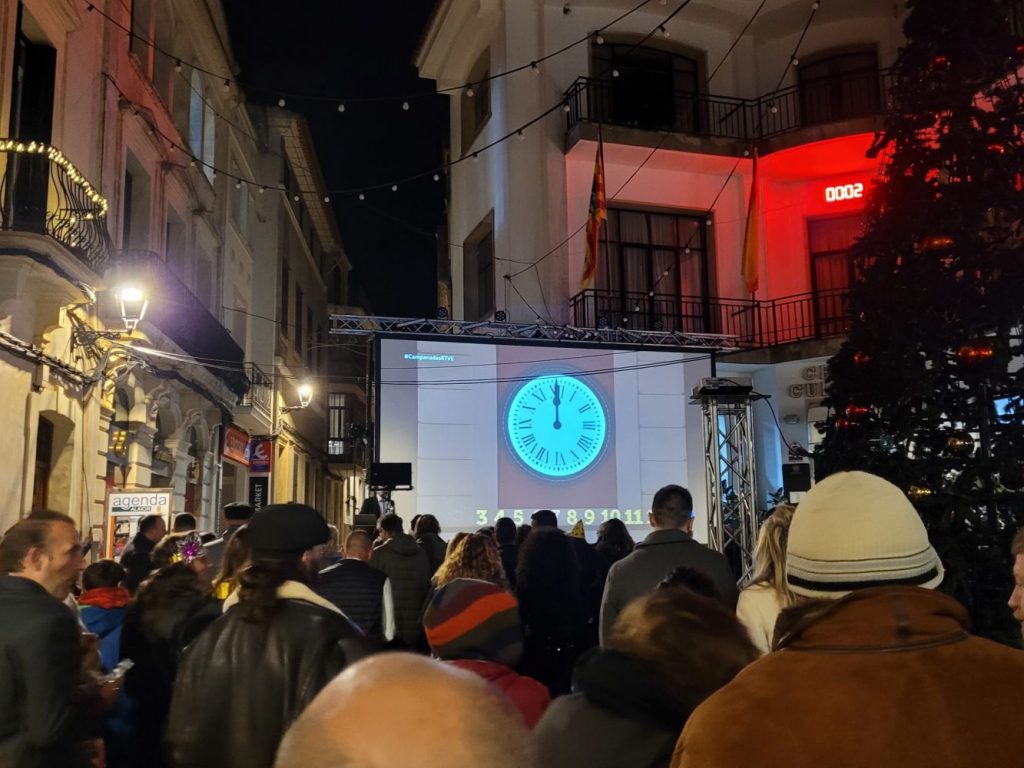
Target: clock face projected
556, 425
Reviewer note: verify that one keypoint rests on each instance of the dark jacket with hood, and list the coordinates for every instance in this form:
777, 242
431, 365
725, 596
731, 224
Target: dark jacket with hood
137, 561
435, 547
242, 683
402, 560
652, 560
619, 717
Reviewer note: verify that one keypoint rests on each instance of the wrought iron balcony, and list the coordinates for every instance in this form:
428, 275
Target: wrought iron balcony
42, 192
177, 312
754, 323
260, 395
814, 102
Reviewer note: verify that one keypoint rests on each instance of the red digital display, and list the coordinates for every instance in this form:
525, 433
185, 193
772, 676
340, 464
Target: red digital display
838, 192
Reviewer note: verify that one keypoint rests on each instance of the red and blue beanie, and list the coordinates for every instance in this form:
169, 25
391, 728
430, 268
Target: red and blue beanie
473, 619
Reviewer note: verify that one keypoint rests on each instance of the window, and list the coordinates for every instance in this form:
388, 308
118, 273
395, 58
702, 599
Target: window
476, 109
298, 320
142, 25
286, 289
645, 251
655, 89
240, 320
202, 127
311, 340
239, 201
44, 464
839, 87
832, 271
135, 219
478, 271
335, 424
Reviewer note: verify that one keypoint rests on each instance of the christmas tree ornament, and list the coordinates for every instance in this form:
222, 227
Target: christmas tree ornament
861, 358
841, 422
936, 242
996, 148
938, 63
975, 353
960, 444
917, 493
856, 412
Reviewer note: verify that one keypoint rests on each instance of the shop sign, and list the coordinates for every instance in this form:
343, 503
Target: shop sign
236, 444
260, 456
126, 507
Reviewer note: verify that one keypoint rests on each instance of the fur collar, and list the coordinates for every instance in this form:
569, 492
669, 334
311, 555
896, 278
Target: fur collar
291, 590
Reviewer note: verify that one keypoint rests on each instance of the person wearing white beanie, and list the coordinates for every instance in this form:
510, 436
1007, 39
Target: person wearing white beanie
871, 666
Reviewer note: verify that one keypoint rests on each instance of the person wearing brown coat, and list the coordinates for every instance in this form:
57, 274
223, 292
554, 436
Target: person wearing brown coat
876, 669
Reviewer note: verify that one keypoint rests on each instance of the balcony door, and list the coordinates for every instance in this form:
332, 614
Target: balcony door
839, 87
645, 252
35, 67
653, 89
832, 270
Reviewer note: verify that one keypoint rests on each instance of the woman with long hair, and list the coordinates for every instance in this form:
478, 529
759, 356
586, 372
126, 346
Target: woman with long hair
277, 644
236, 557
551, 608
427, 532
767, 593
613, 540
474, 557
665, 654
154, 634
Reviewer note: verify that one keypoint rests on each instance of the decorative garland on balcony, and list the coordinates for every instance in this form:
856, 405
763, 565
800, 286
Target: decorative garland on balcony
57, 157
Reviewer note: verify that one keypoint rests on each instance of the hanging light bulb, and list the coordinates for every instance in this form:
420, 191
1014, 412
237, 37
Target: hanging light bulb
615, 73
664, 30
327, 198
565, 107
521, 135
405, 105
437, 177
394, 187
599, 39
262, 190
470, 92
238, 185
295, 198
227, 85
341, 107
362, 196
281, 103
476, 157
534, 67
796, 62
177, 65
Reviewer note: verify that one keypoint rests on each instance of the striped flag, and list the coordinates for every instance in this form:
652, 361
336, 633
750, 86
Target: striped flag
597, 213
752, 235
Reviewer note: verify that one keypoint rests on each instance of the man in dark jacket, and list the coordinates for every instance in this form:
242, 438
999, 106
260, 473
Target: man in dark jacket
406, 565
136, 556
668, 547
251, 673
236, 514
40, 659
362, 593
505, 533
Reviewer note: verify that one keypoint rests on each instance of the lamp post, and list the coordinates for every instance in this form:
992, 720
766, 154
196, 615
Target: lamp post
133, 303
305, 393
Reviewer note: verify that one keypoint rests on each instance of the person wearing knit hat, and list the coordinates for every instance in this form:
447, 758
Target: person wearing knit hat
276, 646
475, 625
876, 666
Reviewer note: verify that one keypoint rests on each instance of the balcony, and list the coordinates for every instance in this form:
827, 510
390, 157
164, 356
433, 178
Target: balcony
753, 323
178, 313
254, 411
42, 193
812, 103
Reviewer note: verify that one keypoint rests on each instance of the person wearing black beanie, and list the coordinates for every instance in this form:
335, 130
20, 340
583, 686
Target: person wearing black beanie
276, 646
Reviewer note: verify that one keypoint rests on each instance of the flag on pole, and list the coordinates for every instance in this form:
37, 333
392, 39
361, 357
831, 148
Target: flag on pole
752, 235
597, 213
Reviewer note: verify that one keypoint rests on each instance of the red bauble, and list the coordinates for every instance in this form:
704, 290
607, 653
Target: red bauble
975, 353
842, 423
856, 412
996, 148
861, 358
1020, 48
939, 62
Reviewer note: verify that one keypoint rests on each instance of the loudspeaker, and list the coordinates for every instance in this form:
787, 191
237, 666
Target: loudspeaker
390, 475
796, 477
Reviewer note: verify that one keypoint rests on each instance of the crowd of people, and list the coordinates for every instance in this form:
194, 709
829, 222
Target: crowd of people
274, 644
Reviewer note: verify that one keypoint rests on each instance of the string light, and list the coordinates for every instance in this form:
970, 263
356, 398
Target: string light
469, 91
476, 157
615, 73
362, 196
238, 185
437, 177
796, 62
664, 31
565, 107
520, 135
599, 40
534, 67
405, 105
281, 103
341, 107
57, 157
177, 65
327, 198
394, 187
227, 85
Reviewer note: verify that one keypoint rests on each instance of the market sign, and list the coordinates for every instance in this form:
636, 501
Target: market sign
236, 444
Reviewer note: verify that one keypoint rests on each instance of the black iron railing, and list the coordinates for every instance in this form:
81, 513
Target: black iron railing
179, 313
43, 193
754, 323
261, 390
813, 102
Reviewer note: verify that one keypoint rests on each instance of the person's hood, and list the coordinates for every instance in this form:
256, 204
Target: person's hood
101, 621
105, 597
664, 536
628, 687
402, 544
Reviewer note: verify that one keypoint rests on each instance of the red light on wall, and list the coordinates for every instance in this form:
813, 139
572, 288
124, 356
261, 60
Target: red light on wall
839, 192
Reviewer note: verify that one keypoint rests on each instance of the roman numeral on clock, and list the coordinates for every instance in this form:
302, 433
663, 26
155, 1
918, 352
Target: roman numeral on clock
541, 454
586, 408
528, 440
585, 443
590, 425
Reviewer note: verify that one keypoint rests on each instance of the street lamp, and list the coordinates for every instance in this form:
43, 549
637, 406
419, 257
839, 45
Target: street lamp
133, 306
305, 393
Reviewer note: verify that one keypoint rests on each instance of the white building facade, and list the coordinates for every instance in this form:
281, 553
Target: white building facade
682, 100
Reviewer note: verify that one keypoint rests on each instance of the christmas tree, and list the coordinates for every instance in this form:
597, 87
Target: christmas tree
927, 389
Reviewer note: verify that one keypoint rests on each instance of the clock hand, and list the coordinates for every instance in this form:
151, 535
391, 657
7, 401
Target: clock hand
557, 402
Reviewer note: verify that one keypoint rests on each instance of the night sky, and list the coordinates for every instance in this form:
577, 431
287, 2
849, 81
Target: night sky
346, 50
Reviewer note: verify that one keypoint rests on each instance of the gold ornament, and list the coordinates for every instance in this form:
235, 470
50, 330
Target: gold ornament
916, 493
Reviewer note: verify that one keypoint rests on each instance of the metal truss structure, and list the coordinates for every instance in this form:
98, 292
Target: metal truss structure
369, 325
729, 470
